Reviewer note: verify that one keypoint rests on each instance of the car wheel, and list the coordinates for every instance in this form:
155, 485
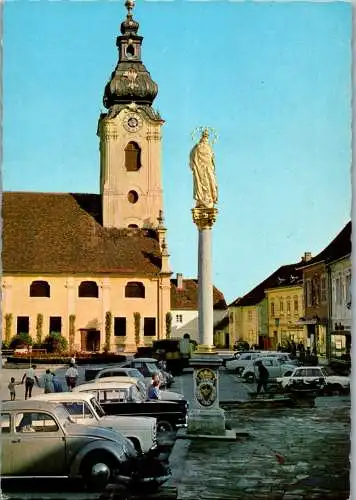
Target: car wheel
164, 426
136, 444
336, 389
97, 470
249, 377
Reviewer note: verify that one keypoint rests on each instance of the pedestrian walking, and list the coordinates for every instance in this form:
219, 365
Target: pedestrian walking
30, 377
262, 377
71, 376
48, 382
11, 388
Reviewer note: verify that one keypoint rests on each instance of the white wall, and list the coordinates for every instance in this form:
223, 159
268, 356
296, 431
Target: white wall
189, 323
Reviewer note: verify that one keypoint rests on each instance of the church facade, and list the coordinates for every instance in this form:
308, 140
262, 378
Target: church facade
95, 267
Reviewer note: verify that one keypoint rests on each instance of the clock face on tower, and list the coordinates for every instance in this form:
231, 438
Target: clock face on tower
132, 123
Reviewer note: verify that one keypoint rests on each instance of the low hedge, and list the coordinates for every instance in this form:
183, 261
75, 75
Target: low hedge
80, 359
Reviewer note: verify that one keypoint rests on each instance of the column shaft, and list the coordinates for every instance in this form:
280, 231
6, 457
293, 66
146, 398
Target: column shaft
206, 320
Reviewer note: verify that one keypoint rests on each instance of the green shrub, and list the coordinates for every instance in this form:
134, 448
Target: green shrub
56, 343
22, 340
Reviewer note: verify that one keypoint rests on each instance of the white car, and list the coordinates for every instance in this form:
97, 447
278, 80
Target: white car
85, 409
310, 374
239, 362
165, 395
118, 371
276, 368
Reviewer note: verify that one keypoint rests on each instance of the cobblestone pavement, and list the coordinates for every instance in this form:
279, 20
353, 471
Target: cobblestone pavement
291, 454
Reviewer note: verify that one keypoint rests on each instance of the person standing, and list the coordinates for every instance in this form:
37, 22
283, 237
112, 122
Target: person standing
153, 391
57, 386
48, 382
30, 377
11, 388
185, 348
71, 376
262, 377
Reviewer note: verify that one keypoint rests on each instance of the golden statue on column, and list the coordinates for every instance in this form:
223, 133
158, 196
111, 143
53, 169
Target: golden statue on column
202, 163
205, 189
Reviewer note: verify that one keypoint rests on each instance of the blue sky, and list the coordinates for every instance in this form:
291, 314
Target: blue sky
273, 79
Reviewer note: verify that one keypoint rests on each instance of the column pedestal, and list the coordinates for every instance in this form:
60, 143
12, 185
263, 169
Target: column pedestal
206, 418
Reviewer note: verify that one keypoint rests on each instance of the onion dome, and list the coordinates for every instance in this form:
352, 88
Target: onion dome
130, 82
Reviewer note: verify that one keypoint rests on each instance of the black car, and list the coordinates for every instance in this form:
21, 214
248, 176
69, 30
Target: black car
123, 398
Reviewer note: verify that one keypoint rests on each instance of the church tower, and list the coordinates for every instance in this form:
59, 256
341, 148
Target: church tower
130, 138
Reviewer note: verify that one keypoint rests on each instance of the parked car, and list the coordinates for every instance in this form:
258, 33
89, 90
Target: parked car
148, 367
310, 374
119, 371
276, 368
241, 360
231, 357
85, 409
39, 438
124, 398
165, 395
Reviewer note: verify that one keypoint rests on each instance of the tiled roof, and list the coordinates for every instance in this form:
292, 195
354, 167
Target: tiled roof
338, 248
45, 233
288, 275
222, 323
186, 298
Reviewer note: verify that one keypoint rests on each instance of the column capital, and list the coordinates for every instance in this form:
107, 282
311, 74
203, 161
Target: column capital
204, 218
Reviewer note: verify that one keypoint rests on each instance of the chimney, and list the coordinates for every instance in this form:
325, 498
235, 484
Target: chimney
179, 280
306, 257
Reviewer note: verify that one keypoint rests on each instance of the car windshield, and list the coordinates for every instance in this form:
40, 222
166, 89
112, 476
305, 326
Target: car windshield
323, 371
62, 415
133, 372
152, 367
97, 408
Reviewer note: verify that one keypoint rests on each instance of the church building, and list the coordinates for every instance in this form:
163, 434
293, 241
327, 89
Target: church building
95, 267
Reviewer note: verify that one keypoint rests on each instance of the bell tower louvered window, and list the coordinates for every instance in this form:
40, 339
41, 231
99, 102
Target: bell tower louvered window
132, 157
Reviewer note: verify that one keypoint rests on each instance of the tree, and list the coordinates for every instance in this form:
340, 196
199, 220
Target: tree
39, 326
168, 325
71, 332
108, 325
8, 327
137, 321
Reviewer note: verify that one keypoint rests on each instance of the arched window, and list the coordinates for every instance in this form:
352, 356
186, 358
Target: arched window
135, 289
88, 289
40, 289
133, 226
132, 157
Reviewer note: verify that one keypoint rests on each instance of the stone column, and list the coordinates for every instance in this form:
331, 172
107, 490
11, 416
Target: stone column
206, 418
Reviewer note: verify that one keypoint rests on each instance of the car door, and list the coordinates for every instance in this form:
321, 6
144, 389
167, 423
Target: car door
243, 361
38, 447
268, 363
298, 375
7, 438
